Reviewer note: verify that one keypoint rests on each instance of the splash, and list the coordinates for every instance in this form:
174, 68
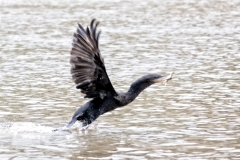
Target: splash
24, 127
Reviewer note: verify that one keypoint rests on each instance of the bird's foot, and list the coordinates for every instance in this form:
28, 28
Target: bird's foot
167, 78
85, 127
60, 129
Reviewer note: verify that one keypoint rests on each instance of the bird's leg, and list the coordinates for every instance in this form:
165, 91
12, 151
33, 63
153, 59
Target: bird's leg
168, 78
85, 125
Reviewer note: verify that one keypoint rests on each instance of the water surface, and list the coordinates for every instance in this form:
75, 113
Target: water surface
196, 116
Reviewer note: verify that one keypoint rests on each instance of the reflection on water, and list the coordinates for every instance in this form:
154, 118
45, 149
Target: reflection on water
196, 116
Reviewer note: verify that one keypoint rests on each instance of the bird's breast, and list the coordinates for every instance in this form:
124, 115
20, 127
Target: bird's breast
108, 105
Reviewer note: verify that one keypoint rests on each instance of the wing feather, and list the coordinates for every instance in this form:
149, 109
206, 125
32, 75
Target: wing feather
87, 65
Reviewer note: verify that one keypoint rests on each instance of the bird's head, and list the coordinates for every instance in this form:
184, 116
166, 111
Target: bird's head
148, 80
162, 79
155, 78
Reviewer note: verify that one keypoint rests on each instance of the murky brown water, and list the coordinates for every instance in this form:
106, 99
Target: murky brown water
196, 116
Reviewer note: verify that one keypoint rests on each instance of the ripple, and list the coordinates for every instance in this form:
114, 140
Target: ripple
196, 116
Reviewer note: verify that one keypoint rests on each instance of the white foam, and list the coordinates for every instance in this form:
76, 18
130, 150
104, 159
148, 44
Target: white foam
24, 127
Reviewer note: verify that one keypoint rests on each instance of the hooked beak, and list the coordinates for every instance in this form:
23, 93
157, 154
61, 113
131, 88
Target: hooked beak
164, 79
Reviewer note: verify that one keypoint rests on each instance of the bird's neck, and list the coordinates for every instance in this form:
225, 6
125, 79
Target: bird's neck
135, 89
133, 92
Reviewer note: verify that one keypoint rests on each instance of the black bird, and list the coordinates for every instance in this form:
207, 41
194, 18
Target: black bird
90, 76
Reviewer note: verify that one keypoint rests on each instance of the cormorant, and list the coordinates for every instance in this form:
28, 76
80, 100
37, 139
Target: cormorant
90, 76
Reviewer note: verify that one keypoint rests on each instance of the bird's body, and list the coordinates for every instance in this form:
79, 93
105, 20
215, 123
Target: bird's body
89, 74
93, 109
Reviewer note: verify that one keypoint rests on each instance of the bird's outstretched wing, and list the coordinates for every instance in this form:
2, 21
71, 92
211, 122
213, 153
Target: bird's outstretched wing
87, 65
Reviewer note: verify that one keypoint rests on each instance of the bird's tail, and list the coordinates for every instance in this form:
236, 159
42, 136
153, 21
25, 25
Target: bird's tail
69, 125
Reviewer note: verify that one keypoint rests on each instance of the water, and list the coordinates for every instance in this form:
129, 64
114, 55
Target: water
196, 116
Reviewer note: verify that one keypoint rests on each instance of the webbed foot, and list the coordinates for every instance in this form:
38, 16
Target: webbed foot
60, 129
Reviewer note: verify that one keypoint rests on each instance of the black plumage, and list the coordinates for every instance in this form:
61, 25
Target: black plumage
90, 76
